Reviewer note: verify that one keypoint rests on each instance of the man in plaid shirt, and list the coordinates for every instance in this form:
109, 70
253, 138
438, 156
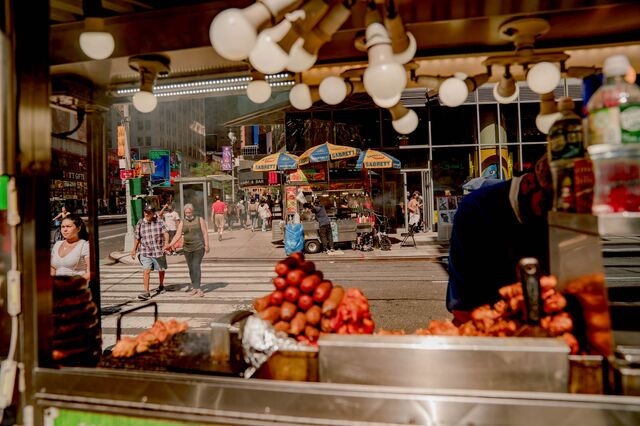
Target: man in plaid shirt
151, 236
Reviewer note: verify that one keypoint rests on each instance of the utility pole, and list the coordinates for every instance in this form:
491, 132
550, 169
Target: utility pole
233, 138
128, 238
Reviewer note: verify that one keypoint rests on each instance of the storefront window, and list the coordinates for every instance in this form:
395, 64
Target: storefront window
530, 154
510, 122
391, 138
452, 167
528, 113
511, 153
453, 126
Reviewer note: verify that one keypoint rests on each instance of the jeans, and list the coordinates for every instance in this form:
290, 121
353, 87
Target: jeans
194, 260
326, 237
254, 221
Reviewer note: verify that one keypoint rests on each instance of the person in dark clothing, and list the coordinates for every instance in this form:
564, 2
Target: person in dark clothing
494, 227
324, 223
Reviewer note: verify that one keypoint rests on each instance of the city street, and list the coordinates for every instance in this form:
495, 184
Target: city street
402, 293
405, 286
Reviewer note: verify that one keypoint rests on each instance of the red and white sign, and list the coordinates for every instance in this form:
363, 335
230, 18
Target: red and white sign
127, 174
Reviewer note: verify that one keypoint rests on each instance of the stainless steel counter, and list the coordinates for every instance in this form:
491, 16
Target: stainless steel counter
257, 402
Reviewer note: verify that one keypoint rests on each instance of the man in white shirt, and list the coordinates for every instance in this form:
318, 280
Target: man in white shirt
171, 220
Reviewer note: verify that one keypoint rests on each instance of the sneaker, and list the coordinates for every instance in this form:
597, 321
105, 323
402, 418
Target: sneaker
161, 290
219, 237
188, 289
144, 296
194, 291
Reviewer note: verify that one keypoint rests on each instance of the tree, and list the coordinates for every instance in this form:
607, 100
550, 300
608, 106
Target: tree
205, 169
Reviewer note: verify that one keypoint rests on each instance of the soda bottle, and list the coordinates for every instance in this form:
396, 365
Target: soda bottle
614, 109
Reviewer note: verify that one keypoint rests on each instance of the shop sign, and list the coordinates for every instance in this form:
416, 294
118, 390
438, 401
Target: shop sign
121, 140
308, 175
227, 158
161, 173
127, 174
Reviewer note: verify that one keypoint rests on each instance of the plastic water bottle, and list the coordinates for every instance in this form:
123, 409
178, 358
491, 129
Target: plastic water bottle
614, 109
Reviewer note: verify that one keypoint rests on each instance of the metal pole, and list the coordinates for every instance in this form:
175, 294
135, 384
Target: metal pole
128, 238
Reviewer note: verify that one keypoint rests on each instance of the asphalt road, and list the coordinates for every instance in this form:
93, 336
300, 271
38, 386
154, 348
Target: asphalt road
111, 238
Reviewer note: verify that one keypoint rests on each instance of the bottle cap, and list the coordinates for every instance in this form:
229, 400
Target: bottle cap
615, 65
566, 104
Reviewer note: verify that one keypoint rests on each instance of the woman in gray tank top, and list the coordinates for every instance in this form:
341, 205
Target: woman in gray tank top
194, 231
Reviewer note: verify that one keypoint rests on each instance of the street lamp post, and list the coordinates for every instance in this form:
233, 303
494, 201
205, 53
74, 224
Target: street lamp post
233, 138
129, 237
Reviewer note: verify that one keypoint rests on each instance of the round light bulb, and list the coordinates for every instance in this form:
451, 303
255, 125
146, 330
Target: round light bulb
299, 59
300, 96
384, 80
145, 101
502, 99
545, 121
453, 92
232, 35
543, 77
409, 52
387, 103
406, 124
258, 91
267, 56
97, 44
333, 90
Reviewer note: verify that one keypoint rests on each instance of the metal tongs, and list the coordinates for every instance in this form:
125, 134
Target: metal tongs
529, 276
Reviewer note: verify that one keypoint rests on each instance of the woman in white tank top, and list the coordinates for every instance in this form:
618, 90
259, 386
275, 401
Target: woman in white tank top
71, 255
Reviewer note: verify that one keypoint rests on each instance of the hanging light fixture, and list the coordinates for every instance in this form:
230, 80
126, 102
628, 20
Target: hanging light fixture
94, 41
384, 79
506, 90
258, 89
403, 43
271, 53
404, 120
548, 113
304, 52
543, 77
454, 90
303, 96
234, 32
149, 67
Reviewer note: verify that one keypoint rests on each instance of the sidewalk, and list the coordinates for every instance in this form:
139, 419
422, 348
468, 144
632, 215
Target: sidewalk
247, 245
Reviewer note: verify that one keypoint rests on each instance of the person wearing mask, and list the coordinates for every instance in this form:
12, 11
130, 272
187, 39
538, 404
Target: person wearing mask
171, 221
493, 228
151, 237
70, 256
265, 213
193, 229
218, 211
253, 214
324, 225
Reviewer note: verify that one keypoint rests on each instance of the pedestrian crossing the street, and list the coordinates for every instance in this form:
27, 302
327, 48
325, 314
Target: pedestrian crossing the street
228, 287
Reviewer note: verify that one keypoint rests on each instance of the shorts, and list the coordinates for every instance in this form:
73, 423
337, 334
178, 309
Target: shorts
218, 219
153, 263
414, 218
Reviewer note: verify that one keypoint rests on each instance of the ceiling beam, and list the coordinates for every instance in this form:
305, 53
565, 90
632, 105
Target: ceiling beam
72, 6
118, 6
56, 15
139, 4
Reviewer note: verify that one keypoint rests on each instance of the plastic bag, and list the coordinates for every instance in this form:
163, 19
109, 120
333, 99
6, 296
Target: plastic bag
294, 238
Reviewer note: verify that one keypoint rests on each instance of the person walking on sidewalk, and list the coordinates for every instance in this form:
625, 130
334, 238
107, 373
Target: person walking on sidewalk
151, 237
264, 213
253, 214
171, 220
196, 243
218, 210
414, 207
